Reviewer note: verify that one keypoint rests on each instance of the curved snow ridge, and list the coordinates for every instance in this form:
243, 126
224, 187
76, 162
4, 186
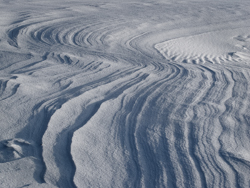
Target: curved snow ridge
168, 134
70, 117
114, 149
79, 36
125, 94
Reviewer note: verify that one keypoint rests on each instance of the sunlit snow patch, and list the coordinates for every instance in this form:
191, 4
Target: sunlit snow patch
212, 47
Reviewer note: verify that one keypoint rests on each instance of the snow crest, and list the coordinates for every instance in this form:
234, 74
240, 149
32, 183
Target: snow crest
124, 94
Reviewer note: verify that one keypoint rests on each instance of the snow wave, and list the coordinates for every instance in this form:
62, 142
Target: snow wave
128, 94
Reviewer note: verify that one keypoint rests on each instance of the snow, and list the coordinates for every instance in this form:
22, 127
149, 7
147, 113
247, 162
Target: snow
124, 94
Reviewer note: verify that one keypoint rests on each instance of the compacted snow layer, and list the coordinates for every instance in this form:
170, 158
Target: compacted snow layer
124, 94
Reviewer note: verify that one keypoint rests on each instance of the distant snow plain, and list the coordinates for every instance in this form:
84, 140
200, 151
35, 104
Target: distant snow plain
125, 93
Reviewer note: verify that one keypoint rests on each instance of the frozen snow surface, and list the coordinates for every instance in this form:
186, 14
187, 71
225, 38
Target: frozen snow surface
125, 93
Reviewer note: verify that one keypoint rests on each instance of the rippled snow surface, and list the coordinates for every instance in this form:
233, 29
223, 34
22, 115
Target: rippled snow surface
125, 93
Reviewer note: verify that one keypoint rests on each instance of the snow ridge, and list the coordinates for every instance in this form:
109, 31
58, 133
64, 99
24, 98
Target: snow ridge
124, 94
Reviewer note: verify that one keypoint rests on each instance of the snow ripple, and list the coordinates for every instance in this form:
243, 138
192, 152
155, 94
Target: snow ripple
125, 94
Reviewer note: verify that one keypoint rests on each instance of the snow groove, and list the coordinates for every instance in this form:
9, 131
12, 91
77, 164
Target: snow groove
125, 94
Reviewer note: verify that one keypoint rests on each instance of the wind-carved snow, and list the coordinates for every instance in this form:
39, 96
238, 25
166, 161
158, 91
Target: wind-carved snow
216, 47
124, 94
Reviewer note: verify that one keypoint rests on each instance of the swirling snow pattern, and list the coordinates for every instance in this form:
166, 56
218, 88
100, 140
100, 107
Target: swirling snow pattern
125, 94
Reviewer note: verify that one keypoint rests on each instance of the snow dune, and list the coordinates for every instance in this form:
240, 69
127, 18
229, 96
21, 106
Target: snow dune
124, 94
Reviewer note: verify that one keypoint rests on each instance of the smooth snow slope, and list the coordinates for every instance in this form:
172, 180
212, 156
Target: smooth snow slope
124, 94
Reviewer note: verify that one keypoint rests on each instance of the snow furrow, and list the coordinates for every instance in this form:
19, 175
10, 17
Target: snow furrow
124, 94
